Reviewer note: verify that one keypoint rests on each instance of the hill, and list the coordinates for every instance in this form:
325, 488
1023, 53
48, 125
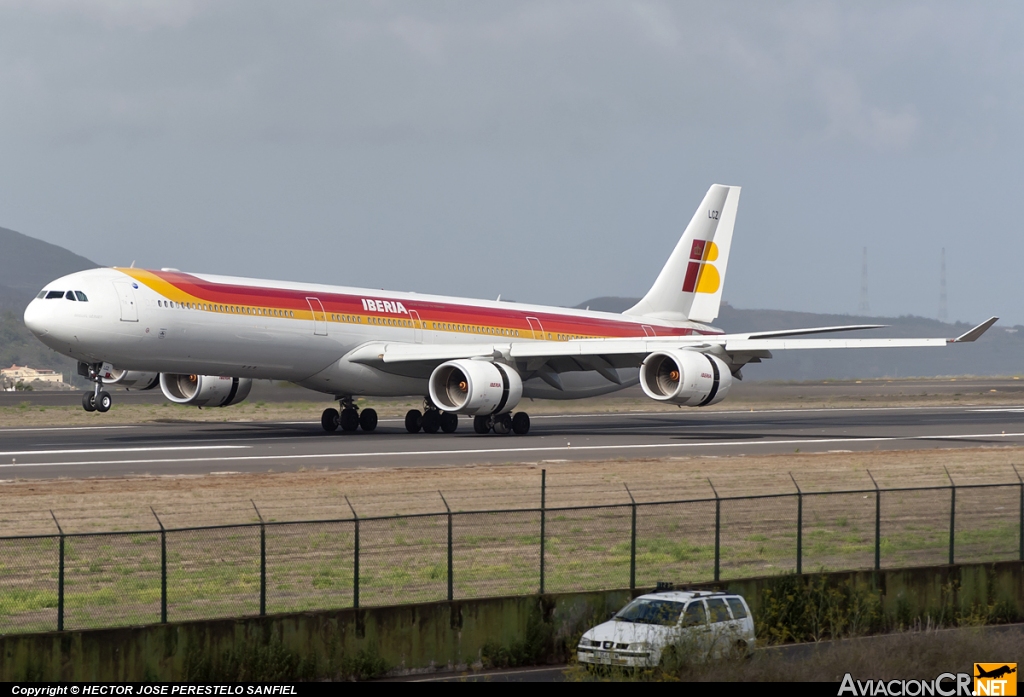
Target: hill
999, 352
26, 265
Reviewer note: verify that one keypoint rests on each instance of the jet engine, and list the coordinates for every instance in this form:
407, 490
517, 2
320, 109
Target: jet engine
686, 378
129, 378
204, 390
475, 387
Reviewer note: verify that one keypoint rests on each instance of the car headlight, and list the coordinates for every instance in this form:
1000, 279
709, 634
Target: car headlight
640, 646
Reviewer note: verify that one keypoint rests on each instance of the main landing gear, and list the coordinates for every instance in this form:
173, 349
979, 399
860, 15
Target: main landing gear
503, 424
431, 419
350, 418
99, 399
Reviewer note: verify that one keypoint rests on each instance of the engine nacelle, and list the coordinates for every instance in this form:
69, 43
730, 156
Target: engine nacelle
129, 378
204, 390
687, 378
475, 387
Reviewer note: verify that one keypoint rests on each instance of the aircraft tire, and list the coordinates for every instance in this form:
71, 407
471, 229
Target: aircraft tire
521, 423
413, 421
432, 421
329, 420
103, 402
503, 424
482, 424
449, 422
368, 420
349, 420
87, 402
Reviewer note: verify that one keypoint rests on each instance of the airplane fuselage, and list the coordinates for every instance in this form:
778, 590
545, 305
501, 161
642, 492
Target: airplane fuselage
173, 322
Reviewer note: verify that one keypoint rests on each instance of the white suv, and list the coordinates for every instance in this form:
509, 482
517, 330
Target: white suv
649, 628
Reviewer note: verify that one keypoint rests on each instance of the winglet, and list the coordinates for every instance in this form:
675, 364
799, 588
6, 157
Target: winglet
976, 332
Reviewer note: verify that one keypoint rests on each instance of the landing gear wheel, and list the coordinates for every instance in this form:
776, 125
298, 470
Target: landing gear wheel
482, 424
413, 421
88, 401
103, 402
329, 420
368, 420
349, 420
521, 423
503, 424
431, 421
449, 422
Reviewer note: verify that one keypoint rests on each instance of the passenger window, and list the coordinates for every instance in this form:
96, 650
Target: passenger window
70, 295
738, 611
718, 610
54, 294
694, 615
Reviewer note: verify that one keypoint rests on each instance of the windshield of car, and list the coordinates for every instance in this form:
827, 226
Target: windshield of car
651, 611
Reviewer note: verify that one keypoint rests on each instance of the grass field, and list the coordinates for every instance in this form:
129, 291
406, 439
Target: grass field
114, 579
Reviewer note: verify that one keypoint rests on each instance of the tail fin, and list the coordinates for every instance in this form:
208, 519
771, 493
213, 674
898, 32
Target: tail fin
689, 287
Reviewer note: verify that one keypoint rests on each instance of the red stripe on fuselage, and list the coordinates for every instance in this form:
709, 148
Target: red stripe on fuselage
428, 310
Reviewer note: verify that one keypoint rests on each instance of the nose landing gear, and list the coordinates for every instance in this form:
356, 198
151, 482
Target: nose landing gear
99, 399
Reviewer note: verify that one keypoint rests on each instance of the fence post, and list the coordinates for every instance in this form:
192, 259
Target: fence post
878, 523
355, 557
632, 541
718, 531
543, 504
799, 526
163, 568
263, 561
451, 587
60, 577
952, 513
1020, 537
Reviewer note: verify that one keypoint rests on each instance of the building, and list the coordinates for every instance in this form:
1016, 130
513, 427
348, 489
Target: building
10, 377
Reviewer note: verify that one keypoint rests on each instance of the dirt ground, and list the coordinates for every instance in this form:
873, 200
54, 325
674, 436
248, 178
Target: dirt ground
120, 504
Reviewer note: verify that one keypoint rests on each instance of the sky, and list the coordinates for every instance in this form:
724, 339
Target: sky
547, 151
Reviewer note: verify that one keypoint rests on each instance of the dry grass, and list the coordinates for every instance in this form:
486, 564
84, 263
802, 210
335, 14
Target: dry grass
123, 503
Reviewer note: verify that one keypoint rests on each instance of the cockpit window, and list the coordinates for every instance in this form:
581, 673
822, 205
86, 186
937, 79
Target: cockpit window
53, 294
70, 295
42, 294
81, 296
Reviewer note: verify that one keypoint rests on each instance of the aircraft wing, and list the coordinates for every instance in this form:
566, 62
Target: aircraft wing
603, 355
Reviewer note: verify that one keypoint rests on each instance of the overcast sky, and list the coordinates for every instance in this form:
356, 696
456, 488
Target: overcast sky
548, 151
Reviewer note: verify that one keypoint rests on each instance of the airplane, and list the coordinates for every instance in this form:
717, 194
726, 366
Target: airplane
202, 339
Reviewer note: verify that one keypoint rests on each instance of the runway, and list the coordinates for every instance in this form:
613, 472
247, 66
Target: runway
202, 448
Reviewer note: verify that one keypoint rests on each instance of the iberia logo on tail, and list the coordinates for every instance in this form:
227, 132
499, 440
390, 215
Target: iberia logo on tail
701, 274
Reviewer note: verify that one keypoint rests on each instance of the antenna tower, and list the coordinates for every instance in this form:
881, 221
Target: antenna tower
943, 310
863, 308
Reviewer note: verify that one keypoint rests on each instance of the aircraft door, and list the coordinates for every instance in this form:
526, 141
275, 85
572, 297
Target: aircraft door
126, 297
417, 327
536, 326
649, 330
319, 316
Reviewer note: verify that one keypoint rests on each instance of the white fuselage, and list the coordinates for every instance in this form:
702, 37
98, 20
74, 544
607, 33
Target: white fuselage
170, 322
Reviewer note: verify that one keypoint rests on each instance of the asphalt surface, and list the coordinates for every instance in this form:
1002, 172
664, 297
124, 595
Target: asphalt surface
199, 448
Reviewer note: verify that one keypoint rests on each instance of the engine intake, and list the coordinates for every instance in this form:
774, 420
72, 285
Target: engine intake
129, 378
687, 378
475, 387
204, 390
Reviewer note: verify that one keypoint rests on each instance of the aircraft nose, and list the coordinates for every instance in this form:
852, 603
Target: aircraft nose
35, 319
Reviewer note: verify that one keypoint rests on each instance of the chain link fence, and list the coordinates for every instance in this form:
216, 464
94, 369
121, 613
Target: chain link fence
90, 580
